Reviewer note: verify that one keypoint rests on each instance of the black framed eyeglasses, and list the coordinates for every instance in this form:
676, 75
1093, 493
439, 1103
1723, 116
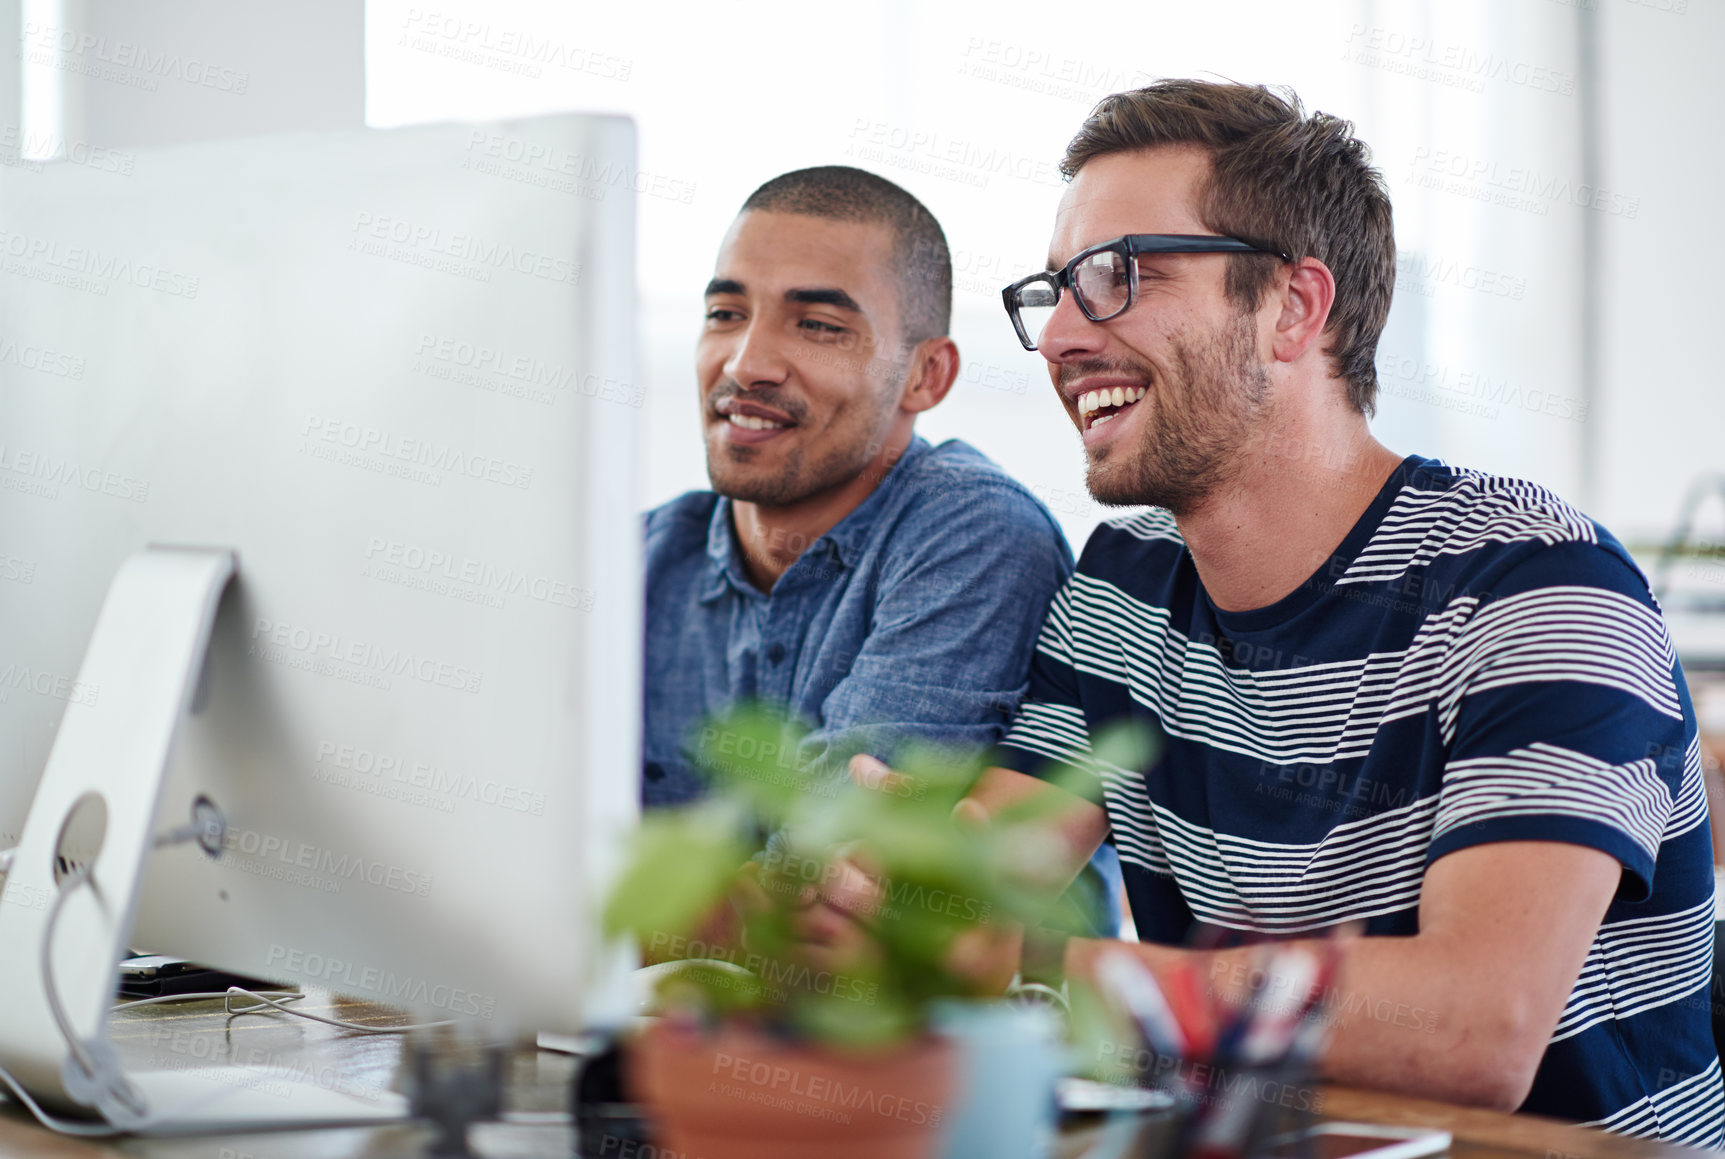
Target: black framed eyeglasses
1104, 278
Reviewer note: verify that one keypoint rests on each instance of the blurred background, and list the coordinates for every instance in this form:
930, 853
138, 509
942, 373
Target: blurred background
1553, 164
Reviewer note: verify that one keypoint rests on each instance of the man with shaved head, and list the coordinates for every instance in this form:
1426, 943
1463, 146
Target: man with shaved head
880, 589
840, 566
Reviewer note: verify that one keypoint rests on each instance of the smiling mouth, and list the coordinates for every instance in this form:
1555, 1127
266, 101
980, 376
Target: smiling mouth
751, 423
749, 418
1096, 407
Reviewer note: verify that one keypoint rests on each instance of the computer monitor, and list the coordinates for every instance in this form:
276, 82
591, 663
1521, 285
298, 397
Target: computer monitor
392, 374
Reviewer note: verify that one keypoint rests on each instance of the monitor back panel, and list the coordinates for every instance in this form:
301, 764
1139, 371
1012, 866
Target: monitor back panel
393, 371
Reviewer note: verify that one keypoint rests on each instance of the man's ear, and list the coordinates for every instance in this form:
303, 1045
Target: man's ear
932, 370
1305, 304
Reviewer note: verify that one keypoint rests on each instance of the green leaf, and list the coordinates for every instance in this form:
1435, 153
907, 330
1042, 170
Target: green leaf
682, 867
751, 754
1125, 744
713, 988
938, 880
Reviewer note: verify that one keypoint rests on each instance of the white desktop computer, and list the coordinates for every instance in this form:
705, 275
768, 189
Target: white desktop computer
318, 546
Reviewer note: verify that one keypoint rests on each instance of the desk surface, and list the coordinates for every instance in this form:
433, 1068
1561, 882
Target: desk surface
198, 1034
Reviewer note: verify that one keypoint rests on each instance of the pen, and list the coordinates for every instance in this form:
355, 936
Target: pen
1192, 1008
1138, 990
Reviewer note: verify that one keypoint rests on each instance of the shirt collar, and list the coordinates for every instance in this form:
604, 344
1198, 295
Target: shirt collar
848, 540
724, 557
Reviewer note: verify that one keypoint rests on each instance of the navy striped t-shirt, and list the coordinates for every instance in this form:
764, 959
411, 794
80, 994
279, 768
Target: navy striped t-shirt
1478, 662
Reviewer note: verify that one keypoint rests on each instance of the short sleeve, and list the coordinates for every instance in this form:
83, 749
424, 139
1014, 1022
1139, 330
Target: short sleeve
1567, 720
952, 630
1050, 736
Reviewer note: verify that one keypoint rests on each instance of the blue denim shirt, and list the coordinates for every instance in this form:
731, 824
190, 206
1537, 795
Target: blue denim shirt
913, 619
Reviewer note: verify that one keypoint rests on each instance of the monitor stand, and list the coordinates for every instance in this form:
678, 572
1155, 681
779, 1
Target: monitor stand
93, 815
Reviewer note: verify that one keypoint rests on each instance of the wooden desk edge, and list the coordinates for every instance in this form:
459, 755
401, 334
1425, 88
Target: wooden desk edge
1528, 1134
21, 1138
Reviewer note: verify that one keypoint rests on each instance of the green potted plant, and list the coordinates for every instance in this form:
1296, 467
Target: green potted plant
773, 1046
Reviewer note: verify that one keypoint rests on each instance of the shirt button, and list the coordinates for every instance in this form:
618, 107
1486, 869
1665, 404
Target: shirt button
776, 653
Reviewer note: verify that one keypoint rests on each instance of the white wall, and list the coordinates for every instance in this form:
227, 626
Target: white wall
11, 89
135, 73
1473, 114
1662, 418
969, 106
1473, 109
11, 73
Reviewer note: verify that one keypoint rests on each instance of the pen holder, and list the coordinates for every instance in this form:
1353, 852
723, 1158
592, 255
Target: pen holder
1250, 1111
1220, 1110
1235, 1058
1224, 1111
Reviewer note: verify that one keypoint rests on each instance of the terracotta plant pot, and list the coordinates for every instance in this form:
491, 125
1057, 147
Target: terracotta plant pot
735, 1093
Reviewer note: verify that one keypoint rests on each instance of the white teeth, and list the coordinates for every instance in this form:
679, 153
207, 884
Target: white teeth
1100, 421
1095, 400
751, 423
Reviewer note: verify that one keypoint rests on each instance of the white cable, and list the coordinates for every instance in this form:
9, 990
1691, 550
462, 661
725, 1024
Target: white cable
53, 1122
275, 999
204, 996
103, 1131
336, 1022
536, 1118
72, 881
78, 1129
75, 1128
118, 1085
1040, 994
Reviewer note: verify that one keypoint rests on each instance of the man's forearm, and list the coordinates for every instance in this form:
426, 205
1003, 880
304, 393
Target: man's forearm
1403, 1018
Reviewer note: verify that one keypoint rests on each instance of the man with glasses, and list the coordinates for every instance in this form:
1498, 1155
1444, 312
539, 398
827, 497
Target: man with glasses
1430, 705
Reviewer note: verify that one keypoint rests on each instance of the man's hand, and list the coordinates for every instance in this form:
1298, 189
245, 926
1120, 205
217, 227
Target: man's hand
834, 914
831, 916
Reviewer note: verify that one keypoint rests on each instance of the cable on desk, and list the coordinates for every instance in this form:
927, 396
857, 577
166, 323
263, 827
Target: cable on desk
336, 1022
98, 1068
79, 1050
206, 996
82, 1130
276, 999
97, 1065
53, 1122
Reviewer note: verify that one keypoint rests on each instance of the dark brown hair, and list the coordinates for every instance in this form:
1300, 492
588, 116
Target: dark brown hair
1279, 178
920, 256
